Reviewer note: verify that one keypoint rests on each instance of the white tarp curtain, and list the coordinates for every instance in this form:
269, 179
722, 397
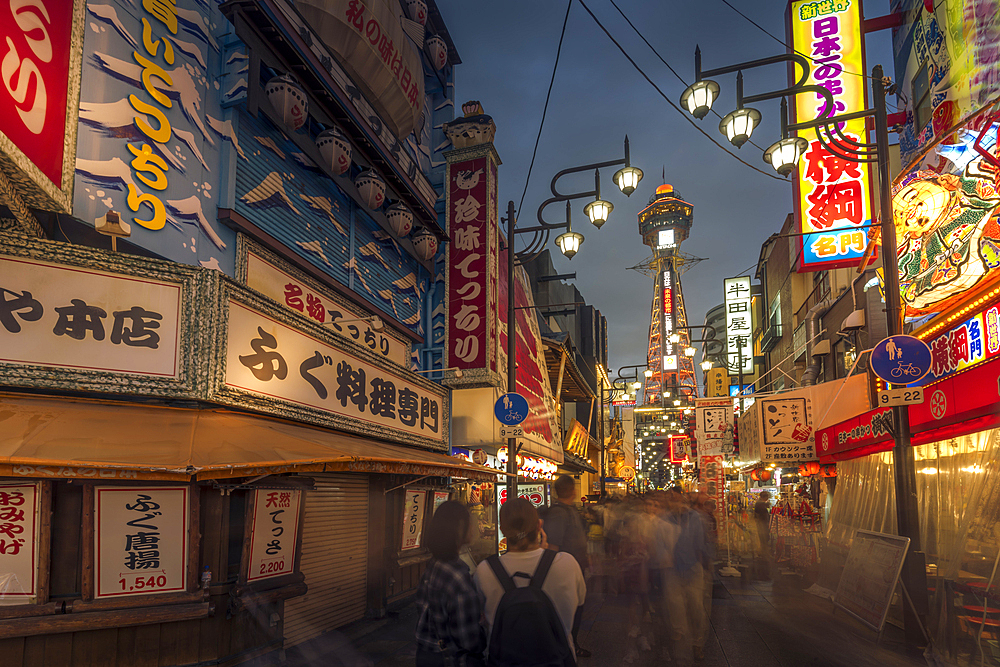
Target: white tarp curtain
958, 495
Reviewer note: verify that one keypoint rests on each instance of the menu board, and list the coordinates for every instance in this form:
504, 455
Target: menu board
870, 575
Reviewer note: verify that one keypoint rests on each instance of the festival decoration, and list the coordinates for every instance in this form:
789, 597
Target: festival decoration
437, 49
289, 100
400, 219
335, 150
371, 187
425, 244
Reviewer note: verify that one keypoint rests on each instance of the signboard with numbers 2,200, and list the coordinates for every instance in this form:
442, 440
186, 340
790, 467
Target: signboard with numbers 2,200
274, 532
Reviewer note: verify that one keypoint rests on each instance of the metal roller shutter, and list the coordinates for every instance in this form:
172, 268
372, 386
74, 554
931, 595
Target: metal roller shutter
334, 558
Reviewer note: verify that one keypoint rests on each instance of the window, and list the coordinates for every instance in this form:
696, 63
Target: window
921, 90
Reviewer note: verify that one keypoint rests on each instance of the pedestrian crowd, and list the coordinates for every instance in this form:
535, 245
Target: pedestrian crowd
524, 608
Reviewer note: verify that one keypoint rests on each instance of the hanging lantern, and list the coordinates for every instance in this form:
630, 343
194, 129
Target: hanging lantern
335, 150
764, 475
400, 219
755, 474
417, 10
425, 243
371, 187
802, 471
830, 470
812, 468
437, 49
289, 100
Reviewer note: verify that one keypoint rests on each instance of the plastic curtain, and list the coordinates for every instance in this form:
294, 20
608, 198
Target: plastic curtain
958, 493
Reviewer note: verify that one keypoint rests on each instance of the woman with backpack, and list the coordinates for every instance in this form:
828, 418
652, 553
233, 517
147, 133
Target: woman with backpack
531, 595
449, 633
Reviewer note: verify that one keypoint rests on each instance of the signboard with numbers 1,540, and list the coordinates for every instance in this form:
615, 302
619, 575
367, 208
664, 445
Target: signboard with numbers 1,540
141, 538
273, 533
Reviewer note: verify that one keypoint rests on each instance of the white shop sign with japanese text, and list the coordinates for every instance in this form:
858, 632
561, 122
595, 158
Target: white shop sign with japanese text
77, 318
320, 306
141, 540
413, 518
714, 422
788, 434
739, 326
273, 534
18, 543
269, 358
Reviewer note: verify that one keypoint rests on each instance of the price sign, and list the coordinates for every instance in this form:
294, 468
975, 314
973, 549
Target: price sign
140, 540
274, 532
413, 518
912, 396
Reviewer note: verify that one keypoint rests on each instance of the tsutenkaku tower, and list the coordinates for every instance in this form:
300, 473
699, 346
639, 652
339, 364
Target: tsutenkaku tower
664, 225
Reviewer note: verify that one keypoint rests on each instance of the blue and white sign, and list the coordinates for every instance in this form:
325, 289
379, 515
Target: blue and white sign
901, 359
511, 409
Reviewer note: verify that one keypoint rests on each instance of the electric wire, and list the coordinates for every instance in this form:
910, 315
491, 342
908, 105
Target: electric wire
787, 46
671, 102
545, 108
668, 66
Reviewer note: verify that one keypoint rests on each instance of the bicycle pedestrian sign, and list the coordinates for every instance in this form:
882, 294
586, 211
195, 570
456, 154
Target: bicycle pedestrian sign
901, 359
511, 409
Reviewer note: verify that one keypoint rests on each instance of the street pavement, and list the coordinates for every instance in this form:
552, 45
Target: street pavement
754, 624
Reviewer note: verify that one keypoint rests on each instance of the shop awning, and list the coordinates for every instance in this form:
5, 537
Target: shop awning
51, 437
560, 357
577, 464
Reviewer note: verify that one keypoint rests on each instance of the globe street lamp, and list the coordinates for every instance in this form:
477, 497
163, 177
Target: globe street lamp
698, 98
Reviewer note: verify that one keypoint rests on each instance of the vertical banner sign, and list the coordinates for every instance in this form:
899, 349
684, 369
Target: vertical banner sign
832, 193
42, 45
274, 533
472, 265
669, 353
413, 518
717, 382
18, 543
739, 326
140, 540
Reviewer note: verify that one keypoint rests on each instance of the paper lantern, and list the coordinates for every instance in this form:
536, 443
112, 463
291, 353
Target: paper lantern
811, 468
400, 219
425, 244
289, 100
417, 10
755, 474
764, 475
830, 470
371, 187
335, 150
437, 49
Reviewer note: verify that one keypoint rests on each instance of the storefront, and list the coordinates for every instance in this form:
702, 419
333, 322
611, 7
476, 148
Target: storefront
254, 480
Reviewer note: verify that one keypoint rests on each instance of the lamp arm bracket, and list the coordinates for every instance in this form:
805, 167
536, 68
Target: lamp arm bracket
843, 152
558, 196
761, 62
810, 124
555, 200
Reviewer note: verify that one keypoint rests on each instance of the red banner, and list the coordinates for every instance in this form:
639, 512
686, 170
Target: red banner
38, 42
468, 264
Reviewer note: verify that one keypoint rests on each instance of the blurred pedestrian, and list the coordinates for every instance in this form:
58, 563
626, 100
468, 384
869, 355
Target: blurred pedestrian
564, 530
449, 632
685, 581
762, 519
520, 624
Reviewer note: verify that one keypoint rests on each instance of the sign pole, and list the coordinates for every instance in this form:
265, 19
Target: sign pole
904, 469
511, 347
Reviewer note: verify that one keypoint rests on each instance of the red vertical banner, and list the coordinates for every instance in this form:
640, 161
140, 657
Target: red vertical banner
472, 293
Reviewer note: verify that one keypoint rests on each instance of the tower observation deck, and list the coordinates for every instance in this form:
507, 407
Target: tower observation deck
664, 225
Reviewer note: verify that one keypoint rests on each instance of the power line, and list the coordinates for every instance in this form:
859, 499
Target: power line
671, 102
657, 54
545, 109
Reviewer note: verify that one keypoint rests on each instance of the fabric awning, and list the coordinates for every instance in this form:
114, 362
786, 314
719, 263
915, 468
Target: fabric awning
64, 437
577, 464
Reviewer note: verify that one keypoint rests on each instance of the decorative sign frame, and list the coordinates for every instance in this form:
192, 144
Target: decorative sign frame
270, 534
232, 388
194, 316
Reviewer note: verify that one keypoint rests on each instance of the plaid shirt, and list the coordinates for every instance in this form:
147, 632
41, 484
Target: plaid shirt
450, 610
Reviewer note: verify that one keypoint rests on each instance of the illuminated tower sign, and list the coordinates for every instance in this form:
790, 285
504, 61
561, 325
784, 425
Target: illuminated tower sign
664, 225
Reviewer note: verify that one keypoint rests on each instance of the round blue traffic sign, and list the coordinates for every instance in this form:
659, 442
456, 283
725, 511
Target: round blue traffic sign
511, 409
901, 359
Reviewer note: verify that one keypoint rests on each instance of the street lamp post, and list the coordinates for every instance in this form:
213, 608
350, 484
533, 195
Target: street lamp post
783, 157
569, 242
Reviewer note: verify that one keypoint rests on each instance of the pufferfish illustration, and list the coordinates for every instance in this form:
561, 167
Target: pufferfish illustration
468, 179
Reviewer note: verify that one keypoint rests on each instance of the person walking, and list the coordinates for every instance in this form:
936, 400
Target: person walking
685, 581
449, 632
762, 519
564, 531
528, 563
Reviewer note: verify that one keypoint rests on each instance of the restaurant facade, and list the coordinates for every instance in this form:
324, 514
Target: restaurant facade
222, 304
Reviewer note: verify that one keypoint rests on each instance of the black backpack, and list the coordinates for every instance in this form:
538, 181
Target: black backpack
527, 631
